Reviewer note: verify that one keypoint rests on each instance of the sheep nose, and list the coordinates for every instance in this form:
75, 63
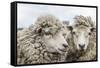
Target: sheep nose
65, 45
81, 46
64, 48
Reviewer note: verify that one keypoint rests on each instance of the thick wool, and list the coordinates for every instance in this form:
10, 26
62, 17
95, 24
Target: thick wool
90, 53
31, 48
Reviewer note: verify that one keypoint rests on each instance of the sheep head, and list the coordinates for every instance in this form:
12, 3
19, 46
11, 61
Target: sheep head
50, 29
81, 32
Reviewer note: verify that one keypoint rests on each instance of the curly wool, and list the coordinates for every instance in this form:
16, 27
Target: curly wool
90, 53
31, 48
86, 21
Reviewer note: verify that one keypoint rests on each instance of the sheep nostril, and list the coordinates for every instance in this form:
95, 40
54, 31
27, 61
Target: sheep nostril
65, 45
81, 46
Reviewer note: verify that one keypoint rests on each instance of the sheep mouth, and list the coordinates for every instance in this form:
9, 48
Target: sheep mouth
82, 51
62, 50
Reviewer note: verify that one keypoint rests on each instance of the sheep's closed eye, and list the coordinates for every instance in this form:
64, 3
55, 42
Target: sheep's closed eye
64, 34
74, 33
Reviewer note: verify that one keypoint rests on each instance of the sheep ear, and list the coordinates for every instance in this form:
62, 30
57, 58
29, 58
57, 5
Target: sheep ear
93, 29
70, 28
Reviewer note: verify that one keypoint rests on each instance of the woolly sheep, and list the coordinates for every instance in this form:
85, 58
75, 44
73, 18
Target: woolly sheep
82, 42
42, 42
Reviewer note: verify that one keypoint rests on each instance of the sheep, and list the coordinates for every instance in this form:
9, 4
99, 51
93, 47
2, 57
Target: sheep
42, 42
82, 42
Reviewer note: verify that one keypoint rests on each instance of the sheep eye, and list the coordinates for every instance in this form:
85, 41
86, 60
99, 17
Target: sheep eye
73, 32
89, 33
64, 34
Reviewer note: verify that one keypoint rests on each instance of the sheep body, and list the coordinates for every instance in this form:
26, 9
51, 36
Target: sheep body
31, 48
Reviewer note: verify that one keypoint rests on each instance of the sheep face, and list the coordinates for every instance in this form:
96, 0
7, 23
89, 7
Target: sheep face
81, 36
55, 43
51, 32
